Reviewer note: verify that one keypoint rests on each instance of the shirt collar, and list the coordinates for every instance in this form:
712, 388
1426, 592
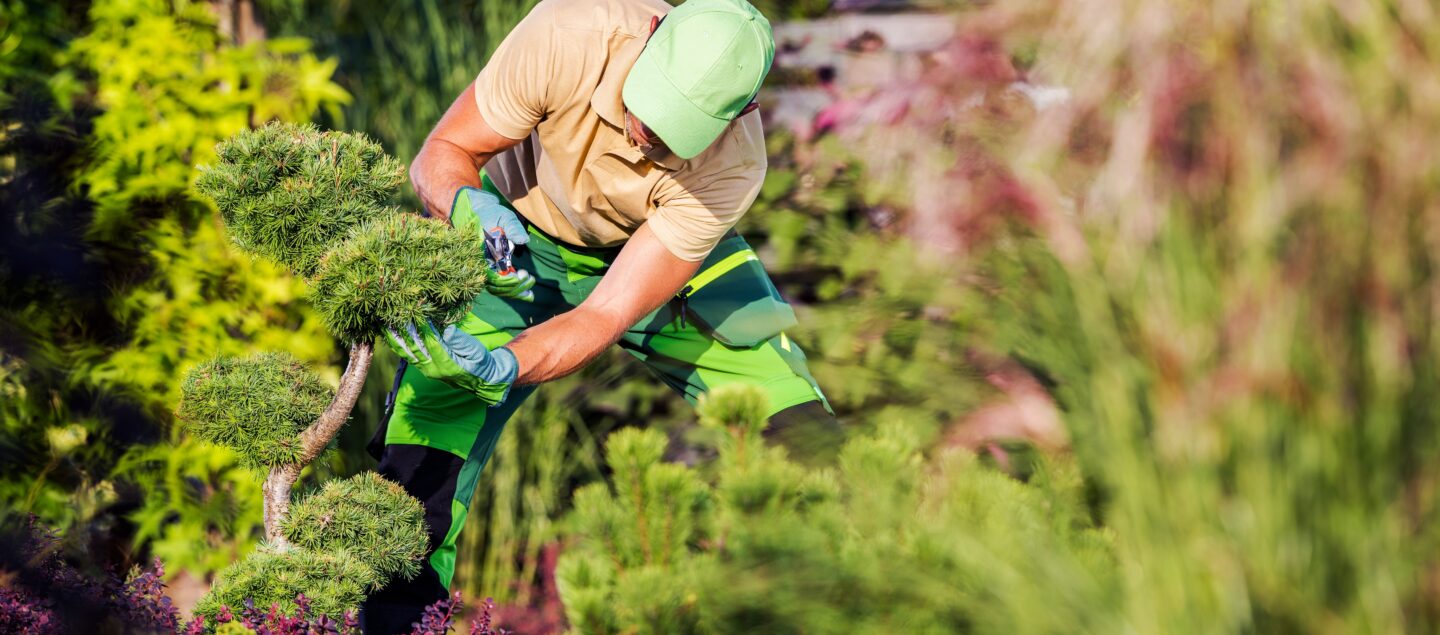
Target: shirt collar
606, 101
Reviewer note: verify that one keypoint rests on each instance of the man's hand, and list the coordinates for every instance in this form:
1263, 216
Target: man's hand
456, 358
478, 207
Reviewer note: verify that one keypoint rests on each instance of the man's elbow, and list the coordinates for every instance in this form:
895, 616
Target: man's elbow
430, 176
415, 174
417, 168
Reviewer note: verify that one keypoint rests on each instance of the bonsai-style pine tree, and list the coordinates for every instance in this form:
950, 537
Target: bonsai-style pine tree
318, 203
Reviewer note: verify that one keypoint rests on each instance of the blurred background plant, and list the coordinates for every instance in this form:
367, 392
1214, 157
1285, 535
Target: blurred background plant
888, 541
1213, 253
1184, 248
117, 277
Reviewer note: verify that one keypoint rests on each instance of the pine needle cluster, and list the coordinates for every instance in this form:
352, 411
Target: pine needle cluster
334, 582
256, 405
288, 192
368, 516
396, 270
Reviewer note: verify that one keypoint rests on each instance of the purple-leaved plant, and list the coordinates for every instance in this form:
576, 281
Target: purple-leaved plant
21, 613
439, 617
142, 602
43, 594
484, 625
276, 622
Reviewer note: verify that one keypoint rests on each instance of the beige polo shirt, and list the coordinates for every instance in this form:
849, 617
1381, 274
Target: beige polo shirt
555, 83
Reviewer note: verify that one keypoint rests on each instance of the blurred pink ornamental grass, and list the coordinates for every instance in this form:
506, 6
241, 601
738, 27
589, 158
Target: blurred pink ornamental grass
1209, 232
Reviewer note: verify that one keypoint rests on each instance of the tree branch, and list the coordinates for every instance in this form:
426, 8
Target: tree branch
313, 440
276, 492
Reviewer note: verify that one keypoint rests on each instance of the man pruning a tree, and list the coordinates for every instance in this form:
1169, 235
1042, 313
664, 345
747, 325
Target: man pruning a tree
619, 147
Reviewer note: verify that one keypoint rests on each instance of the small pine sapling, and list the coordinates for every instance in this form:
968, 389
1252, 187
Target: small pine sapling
733, 417
758, 477
886, 541
637, 537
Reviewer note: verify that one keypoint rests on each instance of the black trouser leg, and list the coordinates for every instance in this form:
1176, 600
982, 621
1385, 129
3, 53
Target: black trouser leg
429, 475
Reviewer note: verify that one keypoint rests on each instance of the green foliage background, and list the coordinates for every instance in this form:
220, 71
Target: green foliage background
117, 278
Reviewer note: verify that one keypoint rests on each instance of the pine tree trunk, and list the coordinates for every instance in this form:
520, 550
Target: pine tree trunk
314, 439
276, 491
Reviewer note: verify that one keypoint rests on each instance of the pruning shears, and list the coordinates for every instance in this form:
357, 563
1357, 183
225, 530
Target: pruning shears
501, 250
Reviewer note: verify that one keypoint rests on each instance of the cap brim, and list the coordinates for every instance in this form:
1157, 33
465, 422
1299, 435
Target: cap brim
650, 96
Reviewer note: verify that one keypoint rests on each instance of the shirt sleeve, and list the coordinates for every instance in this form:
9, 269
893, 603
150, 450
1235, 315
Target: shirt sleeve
511, 92
692, 223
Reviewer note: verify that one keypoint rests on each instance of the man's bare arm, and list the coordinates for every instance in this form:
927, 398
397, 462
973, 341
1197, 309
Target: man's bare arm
644, 276
453, 154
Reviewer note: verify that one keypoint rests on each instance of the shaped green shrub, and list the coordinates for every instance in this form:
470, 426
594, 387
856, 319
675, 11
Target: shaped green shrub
334, 582
374, 519
289, 192
256, 405
396, 270
314, 201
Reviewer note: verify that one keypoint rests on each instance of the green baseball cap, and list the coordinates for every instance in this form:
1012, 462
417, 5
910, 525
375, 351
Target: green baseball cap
700, 68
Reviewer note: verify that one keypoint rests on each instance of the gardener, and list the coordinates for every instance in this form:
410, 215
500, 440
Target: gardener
619, 149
